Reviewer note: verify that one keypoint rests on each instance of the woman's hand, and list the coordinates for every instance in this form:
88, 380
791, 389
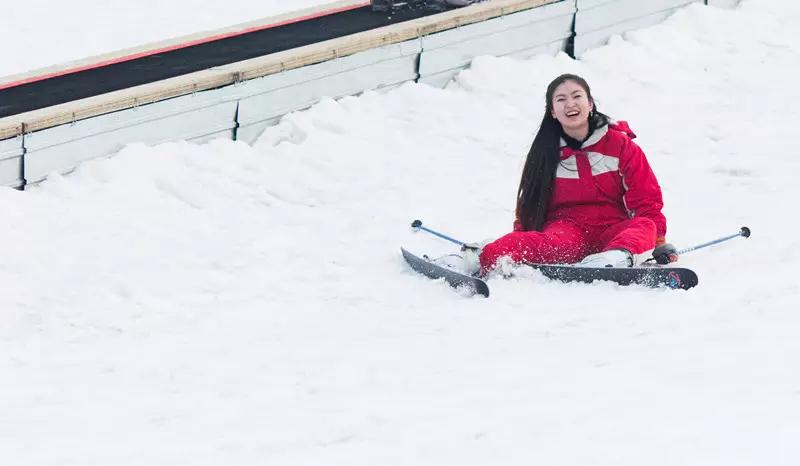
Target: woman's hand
665, 253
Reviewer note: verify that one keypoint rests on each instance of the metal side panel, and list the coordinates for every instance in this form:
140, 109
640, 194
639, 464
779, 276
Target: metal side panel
517, 34
249, 133
266, 98
497, 25
731, 4
441, 78
649, 5
11, 151
584, 42
192, 117
226, 133
594, 15
253, 87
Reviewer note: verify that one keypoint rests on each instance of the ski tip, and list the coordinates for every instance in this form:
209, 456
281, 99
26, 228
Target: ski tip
470, 285
682, 279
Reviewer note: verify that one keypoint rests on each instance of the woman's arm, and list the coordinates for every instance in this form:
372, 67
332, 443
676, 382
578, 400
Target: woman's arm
642, 196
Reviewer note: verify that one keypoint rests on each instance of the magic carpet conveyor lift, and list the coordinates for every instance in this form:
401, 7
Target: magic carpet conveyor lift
431, 5
126, 71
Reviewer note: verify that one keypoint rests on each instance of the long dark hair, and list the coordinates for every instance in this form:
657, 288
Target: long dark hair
536, 184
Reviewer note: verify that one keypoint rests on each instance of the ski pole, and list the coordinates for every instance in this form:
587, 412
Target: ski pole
663, 258
417, 225
744, 231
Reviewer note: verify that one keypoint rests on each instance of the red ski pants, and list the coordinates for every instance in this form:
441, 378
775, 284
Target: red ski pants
564, 242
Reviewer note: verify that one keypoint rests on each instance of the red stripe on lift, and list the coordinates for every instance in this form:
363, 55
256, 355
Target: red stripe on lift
171, 48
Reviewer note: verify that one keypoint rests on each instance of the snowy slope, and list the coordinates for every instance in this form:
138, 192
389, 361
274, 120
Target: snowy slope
227, 304
45, 33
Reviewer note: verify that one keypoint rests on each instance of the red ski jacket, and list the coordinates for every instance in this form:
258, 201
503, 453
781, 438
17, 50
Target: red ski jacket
606, 181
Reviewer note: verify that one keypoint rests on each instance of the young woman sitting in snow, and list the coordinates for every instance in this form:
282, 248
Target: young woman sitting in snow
587, 193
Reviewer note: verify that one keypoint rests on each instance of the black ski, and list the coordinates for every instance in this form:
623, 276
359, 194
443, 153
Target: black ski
654, 277
453, 278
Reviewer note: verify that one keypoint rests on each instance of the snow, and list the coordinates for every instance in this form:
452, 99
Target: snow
226, 304
45, 33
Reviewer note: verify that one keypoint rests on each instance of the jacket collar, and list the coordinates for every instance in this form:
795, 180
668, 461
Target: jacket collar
595, 137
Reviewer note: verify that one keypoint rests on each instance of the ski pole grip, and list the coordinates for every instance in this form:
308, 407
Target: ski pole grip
417, 225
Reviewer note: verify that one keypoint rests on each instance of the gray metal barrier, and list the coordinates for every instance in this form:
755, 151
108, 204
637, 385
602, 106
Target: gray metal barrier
597, 20
11, 152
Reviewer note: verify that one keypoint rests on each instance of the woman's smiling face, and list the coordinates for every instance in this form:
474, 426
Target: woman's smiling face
571, 107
